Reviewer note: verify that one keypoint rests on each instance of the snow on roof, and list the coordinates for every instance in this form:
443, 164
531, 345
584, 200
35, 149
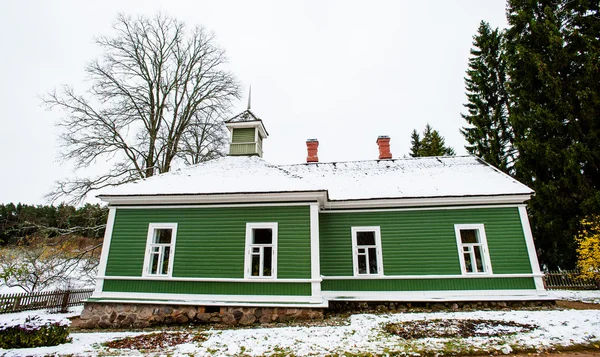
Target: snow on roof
374, 179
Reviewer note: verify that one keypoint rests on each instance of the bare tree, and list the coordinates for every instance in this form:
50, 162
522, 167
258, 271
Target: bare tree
38, 266
157, 96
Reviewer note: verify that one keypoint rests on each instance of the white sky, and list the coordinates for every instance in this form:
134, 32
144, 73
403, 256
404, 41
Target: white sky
340, 71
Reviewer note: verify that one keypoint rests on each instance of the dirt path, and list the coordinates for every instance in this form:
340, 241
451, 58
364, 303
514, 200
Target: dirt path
577, 305
561, 354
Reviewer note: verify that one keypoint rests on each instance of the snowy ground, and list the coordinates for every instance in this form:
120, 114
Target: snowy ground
589, 296
362, 334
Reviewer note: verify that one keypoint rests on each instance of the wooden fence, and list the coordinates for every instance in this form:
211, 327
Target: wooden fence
567, 279
58, 300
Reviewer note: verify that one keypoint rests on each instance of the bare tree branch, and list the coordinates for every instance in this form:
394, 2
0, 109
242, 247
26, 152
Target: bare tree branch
157, 95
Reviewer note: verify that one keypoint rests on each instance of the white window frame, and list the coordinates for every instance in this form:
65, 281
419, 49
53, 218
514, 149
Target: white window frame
378, 249
152, 227
249, 245
487, 262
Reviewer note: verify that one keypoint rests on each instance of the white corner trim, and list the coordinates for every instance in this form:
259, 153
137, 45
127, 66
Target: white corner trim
149, 239
535, 265
217, 280
315, 258
209, 299
487, 264
441, 295
110, 224
427, 277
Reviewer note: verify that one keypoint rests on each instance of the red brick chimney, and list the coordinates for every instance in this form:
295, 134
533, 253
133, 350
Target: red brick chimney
384, 147
312, 145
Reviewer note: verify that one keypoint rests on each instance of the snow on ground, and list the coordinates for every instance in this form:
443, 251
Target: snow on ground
589, 296
362, 334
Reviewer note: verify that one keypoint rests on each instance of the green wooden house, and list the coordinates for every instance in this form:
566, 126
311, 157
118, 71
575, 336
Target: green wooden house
239, 231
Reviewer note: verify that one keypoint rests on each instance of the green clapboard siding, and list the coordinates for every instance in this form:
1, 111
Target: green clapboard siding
210, 241
423, 242
428, 284
215, 288
242, 149
243, 135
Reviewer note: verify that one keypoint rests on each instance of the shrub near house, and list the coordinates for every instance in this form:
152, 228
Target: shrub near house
265, 240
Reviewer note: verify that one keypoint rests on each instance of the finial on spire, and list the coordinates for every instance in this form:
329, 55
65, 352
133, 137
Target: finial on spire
249, 97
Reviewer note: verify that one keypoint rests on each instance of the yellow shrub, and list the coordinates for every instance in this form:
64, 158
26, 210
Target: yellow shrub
588, 249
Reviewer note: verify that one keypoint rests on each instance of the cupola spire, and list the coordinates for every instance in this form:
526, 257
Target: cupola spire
250, 97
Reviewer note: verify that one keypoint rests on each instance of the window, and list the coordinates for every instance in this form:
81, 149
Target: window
261, 250
472, 249
160, 247
366, 251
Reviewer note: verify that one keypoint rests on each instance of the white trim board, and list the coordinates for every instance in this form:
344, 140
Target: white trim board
322, 304
220, 280
215, 198
228, 205
535, 265
427, 201
432, 208
203, 299
448, 295
112, 212
423, 277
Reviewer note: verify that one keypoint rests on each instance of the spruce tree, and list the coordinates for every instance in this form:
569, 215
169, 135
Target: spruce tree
488, 134
415, 143
552, 52
432, 144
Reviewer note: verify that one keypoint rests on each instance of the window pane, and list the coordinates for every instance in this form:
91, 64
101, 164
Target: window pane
256, 250
365, 238
162, 235
372, 261
468, 264
154, 263
362, 264
165, 262
267, 261
263, 236
469, 236
362, 250
255, 264
479, 259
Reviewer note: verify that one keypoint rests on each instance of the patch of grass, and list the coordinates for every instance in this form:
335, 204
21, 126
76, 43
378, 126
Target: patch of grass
154, 341
455, 328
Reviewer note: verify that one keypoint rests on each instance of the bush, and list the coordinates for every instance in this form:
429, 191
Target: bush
34, 333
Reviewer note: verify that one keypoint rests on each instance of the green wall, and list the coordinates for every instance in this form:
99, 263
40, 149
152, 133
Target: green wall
423, 242
243, 135
211, 241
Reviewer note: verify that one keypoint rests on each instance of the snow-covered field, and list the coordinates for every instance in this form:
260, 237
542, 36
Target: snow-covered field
362, 334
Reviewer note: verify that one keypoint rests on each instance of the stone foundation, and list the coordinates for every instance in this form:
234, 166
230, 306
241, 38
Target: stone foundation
117, 315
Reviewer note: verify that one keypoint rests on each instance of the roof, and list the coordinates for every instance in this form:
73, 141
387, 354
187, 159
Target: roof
453, 176
244, 116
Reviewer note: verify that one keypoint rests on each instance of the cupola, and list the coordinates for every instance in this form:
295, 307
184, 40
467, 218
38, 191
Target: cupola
247, 133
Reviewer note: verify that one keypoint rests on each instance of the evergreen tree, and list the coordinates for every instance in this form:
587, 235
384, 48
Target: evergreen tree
415, 143
553, 48
489, 134
432, 144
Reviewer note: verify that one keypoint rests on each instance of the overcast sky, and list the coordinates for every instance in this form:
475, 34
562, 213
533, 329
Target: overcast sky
343, 72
